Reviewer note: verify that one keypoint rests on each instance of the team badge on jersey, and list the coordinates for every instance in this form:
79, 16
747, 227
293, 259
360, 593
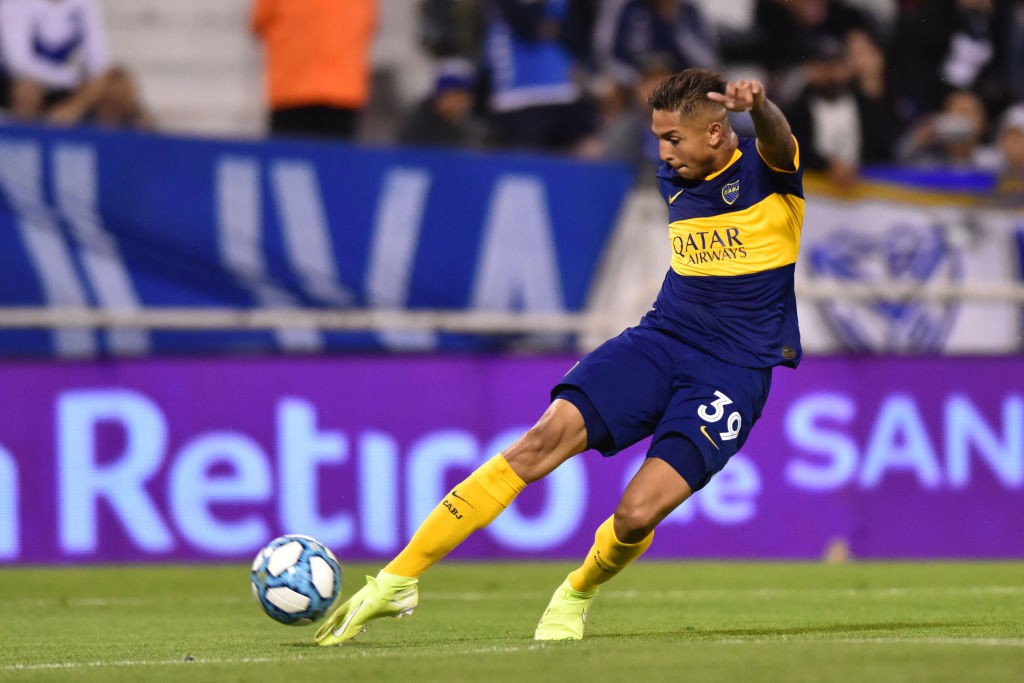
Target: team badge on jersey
731, 192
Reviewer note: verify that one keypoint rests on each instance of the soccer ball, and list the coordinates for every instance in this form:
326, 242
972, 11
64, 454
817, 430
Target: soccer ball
295, 579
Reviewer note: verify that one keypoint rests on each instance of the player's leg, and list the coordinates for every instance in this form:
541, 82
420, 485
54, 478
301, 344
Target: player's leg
702, 424
472, 504
656, 489
480, 498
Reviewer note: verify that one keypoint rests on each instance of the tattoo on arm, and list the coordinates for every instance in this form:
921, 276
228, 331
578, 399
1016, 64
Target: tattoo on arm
774, 136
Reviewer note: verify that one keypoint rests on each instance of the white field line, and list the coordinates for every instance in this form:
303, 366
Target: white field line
480, 596
335, 654
343, 653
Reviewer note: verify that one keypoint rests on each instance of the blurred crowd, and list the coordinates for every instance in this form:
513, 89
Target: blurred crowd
55, 66
889, 82
869, 82
921, 83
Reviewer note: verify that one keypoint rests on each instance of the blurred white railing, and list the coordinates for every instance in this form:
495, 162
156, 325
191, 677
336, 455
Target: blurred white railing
467, 322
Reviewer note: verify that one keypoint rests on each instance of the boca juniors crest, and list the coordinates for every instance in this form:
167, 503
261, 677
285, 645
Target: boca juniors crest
731, 192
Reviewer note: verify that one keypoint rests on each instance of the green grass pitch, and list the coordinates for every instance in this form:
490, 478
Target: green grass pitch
658, 621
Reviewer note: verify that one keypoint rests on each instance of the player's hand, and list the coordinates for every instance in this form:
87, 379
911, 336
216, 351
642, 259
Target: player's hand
740, 95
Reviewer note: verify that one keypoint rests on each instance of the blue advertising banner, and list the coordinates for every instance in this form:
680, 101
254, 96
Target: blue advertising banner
127, 220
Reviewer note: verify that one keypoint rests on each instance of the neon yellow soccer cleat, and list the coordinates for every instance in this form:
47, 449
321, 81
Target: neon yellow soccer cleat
386, 595
566, 614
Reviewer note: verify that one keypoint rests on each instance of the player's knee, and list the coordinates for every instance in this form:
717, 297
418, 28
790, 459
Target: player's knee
634, 521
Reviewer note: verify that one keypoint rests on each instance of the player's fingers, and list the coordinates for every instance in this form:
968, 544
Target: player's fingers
725, 100
744, 89
739, 95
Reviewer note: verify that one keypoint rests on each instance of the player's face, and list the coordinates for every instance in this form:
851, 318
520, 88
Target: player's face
683, 144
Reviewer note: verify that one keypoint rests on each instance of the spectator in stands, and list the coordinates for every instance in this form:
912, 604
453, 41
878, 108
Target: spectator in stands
675, 28
122, 107
58, 67
880, 126
953, 136
1010, 181
445, 118
945, 45
626, 136
536, 101
786, 31
825, 115
844, 116
451, 28
318, 70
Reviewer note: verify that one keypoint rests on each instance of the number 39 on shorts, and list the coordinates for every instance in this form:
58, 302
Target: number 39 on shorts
716, 411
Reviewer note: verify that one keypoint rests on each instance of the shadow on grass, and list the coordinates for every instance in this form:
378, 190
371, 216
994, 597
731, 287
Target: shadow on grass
775, 633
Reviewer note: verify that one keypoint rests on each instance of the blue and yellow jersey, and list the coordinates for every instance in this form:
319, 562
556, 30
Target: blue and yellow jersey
735, 236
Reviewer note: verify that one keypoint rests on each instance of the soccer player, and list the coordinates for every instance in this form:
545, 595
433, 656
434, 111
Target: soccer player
694, 373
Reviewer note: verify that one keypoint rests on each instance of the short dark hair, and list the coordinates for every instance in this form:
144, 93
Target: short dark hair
686, 92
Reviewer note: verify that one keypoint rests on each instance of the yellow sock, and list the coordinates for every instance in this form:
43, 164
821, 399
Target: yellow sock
471, 505
606, 558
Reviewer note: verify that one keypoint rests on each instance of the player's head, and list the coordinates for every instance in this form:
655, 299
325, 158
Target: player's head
694, 135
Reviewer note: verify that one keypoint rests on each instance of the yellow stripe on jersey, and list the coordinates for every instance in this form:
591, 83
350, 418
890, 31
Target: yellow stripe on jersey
762, 237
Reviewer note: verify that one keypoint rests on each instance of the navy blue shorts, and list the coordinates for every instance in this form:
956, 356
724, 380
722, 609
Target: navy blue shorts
646, 382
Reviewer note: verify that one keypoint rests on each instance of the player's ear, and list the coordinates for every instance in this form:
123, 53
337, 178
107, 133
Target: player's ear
715, 132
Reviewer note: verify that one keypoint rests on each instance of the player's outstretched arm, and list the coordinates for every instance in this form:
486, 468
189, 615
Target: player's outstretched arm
774, 136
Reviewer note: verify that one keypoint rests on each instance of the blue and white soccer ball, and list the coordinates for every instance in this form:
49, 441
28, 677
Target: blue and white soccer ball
295, 579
